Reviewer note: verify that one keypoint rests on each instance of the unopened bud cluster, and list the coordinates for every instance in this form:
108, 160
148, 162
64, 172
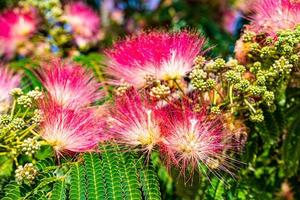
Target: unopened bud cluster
27, 100
233, 85
18, 124
30, 146
160, 91
26, 173
122, 88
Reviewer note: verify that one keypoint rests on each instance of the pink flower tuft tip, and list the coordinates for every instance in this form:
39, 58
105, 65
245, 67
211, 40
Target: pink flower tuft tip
16, 26
84, 21
8, 81
159, 54
133, 122
70, 85
71, 130
272, 16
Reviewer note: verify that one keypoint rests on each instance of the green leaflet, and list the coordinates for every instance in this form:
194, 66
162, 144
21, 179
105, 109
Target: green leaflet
94, 176
128, 172
150, 185
59, 191
111, 173
77, 177
12, 191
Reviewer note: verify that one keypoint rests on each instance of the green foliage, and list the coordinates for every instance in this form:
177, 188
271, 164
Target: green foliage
77, 187
150, 184
291, 143
59, 191
29, 78
114, 173
94, 175
12, 191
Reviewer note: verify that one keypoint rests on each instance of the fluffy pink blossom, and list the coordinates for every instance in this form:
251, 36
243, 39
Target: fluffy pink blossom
84, 21
159, 54
192, 139
71, 130
69, 84
8, 81
16, 26
133, 122
272, 16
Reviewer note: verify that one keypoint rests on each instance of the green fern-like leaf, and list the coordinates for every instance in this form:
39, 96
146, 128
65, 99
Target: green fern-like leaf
77, 188
43, 183
12, 191
128, 171
95, 179
59, 191
150, 185
111, 173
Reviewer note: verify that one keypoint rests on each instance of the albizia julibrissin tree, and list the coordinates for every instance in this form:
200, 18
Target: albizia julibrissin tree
168, 100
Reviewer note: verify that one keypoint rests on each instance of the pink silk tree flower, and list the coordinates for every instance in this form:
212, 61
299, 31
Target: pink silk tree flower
275, 15
133, 122
84, 22
69, 84
160, 55
72, 130
16, 26
8, 81
192, 139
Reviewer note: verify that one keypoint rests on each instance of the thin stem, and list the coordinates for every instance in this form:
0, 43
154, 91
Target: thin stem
250, 106
215, 97
178, 86
26, 131
13, 108
25, 113
34, 133
4, 146
231, 97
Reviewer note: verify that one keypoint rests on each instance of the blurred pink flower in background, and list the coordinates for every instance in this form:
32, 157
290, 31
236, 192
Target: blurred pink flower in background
230, 20
272, 16
84, 22
16, 26
8, 81
162, 55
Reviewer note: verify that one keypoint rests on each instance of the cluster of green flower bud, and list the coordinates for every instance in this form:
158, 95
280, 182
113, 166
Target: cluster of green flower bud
5, 119
30, 146
160, 91
37, 117
18, 124
27, 100
274, 57
236, 84
16, 92
122, 88
268, 68
257, 116
26, 173
199, 79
